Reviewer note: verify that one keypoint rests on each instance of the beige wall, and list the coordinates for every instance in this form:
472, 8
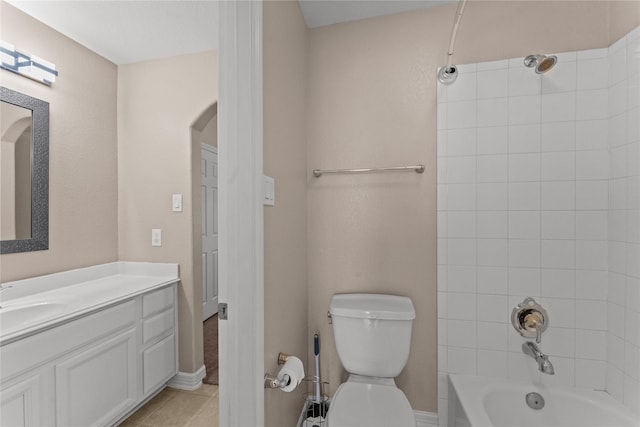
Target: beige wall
285, 224
624, 16
158, 101
369, 105
372, 102
210, 132
82, 149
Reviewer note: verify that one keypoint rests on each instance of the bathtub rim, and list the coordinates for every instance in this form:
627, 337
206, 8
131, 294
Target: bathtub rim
472, 404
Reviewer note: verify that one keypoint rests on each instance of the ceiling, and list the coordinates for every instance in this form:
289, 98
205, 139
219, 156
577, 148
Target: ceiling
131, 31
318, 13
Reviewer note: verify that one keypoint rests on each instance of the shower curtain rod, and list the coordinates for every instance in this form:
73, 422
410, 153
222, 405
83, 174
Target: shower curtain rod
417, 169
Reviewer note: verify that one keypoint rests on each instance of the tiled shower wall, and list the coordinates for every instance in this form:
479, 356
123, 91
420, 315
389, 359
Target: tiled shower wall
623, 302
529, 189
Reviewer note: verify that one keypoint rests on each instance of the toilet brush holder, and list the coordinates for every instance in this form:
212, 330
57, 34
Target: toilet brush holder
314, 408
314, 414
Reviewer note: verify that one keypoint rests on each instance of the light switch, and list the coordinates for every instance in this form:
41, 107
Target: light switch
176, 205
156, 237
269, 187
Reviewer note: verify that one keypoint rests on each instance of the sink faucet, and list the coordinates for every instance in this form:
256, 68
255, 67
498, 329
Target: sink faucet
544, 364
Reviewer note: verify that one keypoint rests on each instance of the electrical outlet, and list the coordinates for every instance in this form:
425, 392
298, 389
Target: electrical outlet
156, 237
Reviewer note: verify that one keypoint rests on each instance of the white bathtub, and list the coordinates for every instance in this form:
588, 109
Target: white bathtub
489, 402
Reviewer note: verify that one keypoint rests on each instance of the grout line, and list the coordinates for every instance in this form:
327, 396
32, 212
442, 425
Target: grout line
475, 75
575, 220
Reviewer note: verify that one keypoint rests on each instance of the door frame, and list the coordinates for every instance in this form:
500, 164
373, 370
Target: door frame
241, 223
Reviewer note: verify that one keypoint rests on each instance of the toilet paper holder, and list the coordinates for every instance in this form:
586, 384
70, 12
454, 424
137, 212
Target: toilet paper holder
282, 358
271, 381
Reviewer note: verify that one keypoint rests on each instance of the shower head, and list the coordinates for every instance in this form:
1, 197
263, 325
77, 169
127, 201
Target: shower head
542, 63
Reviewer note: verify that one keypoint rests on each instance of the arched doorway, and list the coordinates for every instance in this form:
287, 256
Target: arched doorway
204, 138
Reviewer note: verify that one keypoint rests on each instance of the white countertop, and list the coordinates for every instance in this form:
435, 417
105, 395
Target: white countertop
39, 303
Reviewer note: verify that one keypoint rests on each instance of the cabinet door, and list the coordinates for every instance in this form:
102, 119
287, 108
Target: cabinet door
159, 364
20, 404
96, 385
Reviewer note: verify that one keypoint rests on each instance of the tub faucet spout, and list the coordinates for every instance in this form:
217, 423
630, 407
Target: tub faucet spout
544, 364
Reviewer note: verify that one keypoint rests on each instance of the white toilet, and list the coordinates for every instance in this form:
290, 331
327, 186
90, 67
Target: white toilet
373, 337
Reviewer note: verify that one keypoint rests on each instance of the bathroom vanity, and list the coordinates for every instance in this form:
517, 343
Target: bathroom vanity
86, 347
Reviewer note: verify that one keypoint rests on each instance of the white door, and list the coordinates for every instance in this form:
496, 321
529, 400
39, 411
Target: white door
209, 231
240, 112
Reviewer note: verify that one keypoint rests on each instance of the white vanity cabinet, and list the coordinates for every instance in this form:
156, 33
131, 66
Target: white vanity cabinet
22, 402
159, 361
94, 369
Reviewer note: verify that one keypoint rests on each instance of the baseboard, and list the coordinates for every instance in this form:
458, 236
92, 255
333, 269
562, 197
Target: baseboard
188, 381
426, 419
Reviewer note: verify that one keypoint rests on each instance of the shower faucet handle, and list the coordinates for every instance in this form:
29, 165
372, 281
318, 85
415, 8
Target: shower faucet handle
530, 319
533, 321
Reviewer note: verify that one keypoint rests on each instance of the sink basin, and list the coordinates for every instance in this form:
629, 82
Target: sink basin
14, 317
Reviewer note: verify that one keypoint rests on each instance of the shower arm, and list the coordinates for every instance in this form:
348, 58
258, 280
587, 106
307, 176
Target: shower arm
454, 31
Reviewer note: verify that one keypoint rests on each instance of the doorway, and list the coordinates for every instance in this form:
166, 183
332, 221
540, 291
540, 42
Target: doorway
209, 194
205, 186
209, 203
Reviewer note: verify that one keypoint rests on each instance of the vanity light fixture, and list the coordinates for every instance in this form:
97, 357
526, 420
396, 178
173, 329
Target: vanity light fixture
32, 66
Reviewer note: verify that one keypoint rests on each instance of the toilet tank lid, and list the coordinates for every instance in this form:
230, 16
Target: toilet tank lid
372, 306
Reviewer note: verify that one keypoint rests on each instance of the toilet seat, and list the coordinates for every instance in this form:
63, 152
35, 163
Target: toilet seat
357, 404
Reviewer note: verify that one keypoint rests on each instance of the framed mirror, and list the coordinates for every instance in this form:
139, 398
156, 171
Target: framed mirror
24, 173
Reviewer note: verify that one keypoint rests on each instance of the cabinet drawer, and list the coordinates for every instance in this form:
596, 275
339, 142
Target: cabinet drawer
157, 326
26, 353
159, 364
157, 301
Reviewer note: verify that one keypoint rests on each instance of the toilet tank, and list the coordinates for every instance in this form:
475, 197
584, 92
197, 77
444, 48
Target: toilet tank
372, 332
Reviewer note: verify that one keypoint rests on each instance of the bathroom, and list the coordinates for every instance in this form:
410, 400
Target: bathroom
344, 96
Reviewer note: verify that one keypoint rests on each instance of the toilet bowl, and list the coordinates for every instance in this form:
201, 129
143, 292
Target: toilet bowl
373, 338
367, 401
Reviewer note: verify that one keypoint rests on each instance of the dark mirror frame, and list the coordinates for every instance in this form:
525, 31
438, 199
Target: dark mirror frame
39, 240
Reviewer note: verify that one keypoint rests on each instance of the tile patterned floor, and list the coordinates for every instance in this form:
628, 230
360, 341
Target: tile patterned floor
178, 408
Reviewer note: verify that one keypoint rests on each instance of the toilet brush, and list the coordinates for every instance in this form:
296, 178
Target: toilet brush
318, 408
316, 351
